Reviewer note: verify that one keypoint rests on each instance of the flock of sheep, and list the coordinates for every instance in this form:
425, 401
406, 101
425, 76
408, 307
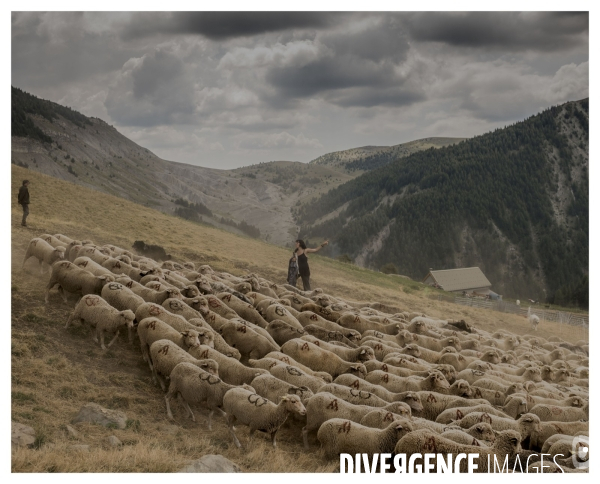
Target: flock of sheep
362, 380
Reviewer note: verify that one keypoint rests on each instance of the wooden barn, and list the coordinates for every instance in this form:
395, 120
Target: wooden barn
469, 279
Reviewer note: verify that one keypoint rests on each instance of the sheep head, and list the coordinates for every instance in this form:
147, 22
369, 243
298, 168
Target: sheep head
293, 404
127, 318
463, 389
210, 366
414, 401
437, 380
482, 431
358, 370
190, 338
174, 293
365, 354
530, 423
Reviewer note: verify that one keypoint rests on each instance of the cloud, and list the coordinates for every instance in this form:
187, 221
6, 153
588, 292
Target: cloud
152, 90
503, 30
57, 47
226, 25
278, 141
502, 92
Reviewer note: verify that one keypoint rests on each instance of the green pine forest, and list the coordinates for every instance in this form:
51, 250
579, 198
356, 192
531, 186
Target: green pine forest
486, 201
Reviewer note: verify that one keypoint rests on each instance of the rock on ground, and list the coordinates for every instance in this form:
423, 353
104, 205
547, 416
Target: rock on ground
21, 435
211, 463
113, 441
72, 432
92, 412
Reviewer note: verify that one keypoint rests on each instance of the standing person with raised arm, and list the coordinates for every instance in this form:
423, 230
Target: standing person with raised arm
302, 260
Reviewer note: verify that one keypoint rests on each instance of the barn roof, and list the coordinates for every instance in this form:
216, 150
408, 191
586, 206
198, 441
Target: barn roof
460, 279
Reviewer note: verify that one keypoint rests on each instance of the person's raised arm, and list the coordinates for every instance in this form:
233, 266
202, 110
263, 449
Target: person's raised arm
318, 248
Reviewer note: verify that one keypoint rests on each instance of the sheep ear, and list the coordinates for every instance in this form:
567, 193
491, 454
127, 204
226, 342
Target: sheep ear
362, 352
186, 332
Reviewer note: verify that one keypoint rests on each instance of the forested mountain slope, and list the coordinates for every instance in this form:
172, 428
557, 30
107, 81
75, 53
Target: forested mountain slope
513, 201
370, 157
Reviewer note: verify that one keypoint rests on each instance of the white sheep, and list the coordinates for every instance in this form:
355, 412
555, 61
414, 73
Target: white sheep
258, 413
121, 298
93, 254
554, 413
362, 354
273, 389
326, 335
246, 340
197, 386
178, 306
288, 360
102, 317
351, 395
217, 342
91, 266
73, 279
153, 329
424, 441
147, 294
434, 381
379, 418
282, 332
243, 309
339, 435
230, 369
309, 318
296, 376
356, 383
166, 355
534, 319
43, 252
319, 359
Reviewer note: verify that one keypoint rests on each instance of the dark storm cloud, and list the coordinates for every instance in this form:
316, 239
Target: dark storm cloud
386, 39
394, 96
57, 45
506, 30
151, 91
325, 75
354, 68
226, 25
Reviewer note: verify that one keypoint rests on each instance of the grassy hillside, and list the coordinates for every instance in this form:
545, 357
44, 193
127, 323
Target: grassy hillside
56, 371
368, 158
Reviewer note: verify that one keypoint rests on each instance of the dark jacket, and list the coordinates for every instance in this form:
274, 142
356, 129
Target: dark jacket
23, 195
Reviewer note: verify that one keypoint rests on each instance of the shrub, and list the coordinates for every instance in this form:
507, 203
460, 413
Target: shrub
389, 268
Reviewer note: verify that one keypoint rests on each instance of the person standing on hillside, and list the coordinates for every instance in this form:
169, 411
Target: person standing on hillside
302, 260
24, 201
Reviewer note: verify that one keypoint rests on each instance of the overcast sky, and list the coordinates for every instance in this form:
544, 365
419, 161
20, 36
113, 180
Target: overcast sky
227, 89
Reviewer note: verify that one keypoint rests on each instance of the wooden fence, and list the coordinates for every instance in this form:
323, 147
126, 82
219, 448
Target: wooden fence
561, 317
